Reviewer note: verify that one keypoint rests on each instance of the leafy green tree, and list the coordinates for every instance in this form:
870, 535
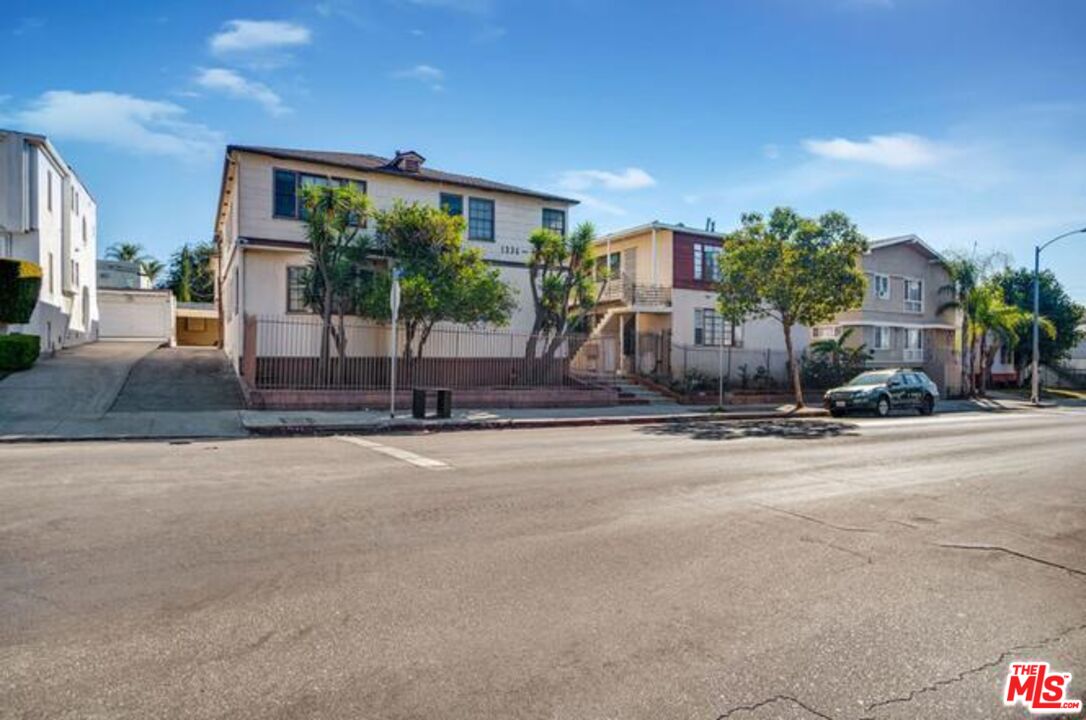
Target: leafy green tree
337, 253
125, 252
839, 351
190, 275
1065, 315
441, 280
796, 270
996, 323
563, 290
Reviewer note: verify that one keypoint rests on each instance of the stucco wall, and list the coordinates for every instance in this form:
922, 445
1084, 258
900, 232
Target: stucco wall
758, 334
641, 244
900, 262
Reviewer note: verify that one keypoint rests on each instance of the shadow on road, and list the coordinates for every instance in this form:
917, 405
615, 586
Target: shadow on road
725, 430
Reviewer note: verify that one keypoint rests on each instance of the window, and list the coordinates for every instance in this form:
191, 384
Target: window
822, 332
882, 338
914, 339
452, 204
49, 190
914, 296
706, 262
360, 186
480, 219
296, 289
555, 220
882, 286
710, 328
287, 200
286, 194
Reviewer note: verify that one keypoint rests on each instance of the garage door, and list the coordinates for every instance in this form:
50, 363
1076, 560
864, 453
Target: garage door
130, 315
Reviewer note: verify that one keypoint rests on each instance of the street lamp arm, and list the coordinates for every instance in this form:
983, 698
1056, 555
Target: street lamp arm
1061, 237
1035, 366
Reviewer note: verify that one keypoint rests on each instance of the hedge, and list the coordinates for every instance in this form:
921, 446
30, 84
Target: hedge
20, 283
18, 352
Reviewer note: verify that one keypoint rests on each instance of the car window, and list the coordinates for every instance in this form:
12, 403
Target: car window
922, 378
871, 378
912, 379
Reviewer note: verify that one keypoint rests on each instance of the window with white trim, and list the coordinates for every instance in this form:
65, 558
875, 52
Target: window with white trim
882, 338
824, 332
914, 339
914, 296
710, 328
882, 286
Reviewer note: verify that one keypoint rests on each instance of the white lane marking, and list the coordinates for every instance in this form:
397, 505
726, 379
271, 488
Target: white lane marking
404, 455
952, 419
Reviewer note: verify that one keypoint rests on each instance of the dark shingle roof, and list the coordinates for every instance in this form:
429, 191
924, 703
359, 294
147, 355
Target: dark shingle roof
374, 163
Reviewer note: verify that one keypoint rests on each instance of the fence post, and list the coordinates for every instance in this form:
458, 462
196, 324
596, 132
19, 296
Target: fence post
248, 351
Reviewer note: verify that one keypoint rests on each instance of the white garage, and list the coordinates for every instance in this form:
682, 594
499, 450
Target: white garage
135, 314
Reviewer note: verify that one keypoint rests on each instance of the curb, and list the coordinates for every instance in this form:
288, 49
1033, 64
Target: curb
427, 426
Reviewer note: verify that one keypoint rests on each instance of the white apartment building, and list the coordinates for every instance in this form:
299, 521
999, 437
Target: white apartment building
261, 237
47, 216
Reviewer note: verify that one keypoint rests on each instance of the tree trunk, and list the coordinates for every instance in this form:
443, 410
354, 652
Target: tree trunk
341, 352
984, 365
326, 335
793, 367
965, 361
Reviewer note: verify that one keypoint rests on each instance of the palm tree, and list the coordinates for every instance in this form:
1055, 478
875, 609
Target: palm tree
995, 323
968, 274
125, 252
839, 350
152, 268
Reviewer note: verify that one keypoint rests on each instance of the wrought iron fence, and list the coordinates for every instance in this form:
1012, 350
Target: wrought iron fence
287, 355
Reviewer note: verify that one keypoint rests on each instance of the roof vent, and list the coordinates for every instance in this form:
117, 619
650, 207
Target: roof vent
407, 161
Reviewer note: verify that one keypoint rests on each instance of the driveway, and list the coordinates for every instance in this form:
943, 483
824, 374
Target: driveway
122, 389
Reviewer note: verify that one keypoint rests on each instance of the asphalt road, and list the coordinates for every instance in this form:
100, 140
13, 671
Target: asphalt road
854, 569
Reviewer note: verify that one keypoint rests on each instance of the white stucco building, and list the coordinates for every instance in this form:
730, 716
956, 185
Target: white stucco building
261, 238
47, 216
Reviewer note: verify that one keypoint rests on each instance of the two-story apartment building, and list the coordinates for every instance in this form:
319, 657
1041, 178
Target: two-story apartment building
260, 233
900, 320
48, 217
660, 295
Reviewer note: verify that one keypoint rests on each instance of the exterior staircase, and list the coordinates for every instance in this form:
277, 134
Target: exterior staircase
632, 393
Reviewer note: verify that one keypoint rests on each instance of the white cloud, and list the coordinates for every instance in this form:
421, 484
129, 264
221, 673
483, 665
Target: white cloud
243, 35
631, 178
125, 122
233, 84
893, 151
426, 74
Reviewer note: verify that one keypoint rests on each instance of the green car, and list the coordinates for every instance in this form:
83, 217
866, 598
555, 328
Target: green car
881, 391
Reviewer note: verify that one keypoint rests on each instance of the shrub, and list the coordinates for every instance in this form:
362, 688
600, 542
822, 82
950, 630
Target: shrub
20, 283
18, 352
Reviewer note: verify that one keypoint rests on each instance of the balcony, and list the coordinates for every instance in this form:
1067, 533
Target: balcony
626, 292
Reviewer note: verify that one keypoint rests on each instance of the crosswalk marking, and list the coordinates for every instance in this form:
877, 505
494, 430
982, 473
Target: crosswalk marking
405, 455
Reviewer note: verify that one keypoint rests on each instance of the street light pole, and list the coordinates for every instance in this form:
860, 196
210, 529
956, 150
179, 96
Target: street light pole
1035, 379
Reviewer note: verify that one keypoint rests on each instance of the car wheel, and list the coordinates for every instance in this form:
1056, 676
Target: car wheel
927, 406
882, 407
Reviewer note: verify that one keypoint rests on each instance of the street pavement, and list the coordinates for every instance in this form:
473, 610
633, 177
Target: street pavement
796, 569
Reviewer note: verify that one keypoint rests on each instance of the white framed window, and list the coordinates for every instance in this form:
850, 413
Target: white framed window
914, 338
882, 337
882, 286
914, 296
824, 332
710, 328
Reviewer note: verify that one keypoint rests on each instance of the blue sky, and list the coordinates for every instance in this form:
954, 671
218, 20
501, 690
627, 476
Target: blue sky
964, 122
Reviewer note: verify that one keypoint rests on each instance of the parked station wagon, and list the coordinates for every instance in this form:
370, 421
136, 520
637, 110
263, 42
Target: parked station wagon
881, 391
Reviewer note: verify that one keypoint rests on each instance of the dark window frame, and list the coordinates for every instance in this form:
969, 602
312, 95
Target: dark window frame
442, 197
291, 291
298, 212
473, 202
554, 212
